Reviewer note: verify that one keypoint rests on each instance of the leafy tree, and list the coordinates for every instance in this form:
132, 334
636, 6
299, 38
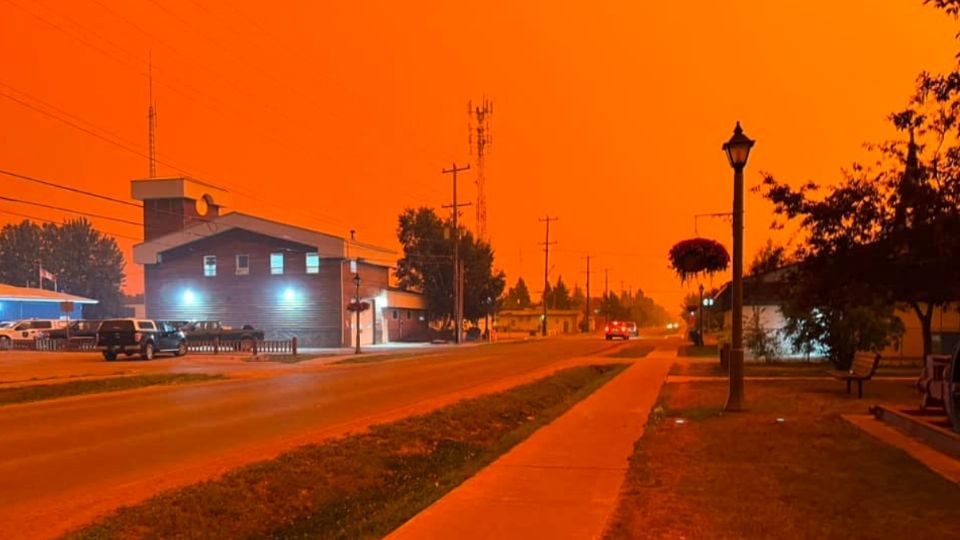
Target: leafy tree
427, 266
85, 261
20, 248
885, 234
518, 297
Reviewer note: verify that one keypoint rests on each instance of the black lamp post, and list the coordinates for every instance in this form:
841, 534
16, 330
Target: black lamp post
737, 150
356, 281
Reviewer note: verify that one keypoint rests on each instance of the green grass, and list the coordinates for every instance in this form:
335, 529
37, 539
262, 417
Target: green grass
24, 394
782, 369
360, 486
747, 475
634, 351
699, 352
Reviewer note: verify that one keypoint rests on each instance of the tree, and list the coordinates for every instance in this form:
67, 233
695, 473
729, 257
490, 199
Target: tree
577, 298
885, 234
20, 248
558, 296
518, 297
85, 261
427, 266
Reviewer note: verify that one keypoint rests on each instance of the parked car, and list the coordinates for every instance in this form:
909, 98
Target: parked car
27, 330
620, 329
79, 329
208, 330
139, 336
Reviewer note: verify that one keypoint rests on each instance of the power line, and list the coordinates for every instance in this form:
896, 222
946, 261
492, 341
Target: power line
62, 209
63, 221
68, 188
546, 268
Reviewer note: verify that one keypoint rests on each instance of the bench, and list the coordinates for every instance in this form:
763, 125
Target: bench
864, 367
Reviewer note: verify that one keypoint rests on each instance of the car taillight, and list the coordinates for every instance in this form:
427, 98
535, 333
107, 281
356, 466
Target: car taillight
137, 337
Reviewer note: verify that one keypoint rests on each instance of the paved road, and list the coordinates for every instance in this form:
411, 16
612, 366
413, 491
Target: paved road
65, 461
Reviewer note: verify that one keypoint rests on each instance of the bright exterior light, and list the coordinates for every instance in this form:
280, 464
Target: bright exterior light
189, 297
738, 148
289, 294
708, 301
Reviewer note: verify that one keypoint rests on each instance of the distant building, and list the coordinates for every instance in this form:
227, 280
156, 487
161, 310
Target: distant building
530, 320
17, 303
240, 269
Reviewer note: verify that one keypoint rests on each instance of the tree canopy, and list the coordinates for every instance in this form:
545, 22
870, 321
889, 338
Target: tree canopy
427, 266
85, 261
886, 233
518, 297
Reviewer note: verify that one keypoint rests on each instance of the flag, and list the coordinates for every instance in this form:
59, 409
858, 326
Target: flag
48, 276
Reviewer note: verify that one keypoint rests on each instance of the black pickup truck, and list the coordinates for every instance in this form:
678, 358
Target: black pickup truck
209, 330
137, 336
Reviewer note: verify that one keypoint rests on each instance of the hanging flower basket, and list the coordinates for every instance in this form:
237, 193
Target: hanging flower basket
690, 258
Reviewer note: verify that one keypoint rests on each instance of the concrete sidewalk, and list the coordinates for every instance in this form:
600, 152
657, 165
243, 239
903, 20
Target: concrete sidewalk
564, 480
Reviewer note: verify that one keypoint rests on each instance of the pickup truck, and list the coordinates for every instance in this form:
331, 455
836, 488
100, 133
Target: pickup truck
137, 336
209, 330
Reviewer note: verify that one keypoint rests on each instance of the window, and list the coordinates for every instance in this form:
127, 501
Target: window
396, 314
409, 315
243, 265
313, 263
210, 265
276, 263
146, 325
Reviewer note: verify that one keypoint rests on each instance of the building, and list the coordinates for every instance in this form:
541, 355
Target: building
18, 303
530, 321
201, 264
763, 296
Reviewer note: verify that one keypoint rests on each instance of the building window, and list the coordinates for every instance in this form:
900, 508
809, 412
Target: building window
313, 263
396, 314
276, 263
210, 265
409, 315
243, 265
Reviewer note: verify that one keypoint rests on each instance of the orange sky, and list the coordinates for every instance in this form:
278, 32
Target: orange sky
337, 115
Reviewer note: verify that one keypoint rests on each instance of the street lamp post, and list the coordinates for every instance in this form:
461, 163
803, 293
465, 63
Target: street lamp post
356, 280
700, 313
737, 150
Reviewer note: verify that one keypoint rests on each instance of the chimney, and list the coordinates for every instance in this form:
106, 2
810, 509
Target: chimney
174, 204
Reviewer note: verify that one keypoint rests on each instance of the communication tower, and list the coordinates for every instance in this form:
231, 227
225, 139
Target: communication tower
479, 138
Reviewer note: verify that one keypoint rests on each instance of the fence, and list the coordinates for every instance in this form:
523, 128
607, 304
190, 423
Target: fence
54, 345
213, 346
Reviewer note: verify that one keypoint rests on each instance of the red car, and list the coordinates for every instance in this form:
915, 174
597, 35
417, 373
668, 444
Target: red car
620, 329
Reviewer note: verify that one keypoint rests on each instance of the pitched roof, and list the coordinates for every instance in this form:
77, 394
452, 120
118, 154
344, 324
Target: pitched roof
327, 245
11, 293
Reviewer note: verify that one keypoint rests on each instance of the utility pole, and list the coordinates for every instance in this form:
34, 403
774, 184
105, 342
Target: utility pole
457, 278
546, 269
586, 322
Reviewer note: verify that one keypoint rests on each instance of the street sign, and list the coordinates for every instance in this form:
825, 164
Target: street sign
66, 308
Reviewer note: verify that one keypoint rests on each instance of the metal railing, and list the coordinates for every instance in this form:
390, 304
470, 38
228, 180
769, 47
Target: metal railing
213, 346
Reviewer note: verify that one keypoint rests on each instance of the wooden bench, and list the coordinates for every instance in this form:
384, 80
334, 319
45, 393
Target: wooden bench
864, 367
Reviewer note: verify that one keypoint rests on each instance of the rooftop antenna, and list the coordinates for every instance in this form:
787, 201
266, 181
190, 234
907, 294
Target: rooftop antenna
479, 137
152, 120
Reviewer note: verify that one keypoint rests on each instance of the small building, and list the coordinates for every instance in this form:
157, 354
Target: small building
763, 296
530, 321
200, 264
18, 303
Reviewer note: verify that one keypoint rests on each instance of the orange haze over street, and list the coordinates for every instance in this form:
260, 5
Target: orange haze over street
338, 115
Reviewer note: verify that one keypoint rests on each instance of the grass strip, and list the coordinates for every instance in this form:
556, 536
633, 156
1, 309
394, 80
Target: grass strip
361, 486
635, 351
40, 392
375, 357
699, 352
789, 467
287, 358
